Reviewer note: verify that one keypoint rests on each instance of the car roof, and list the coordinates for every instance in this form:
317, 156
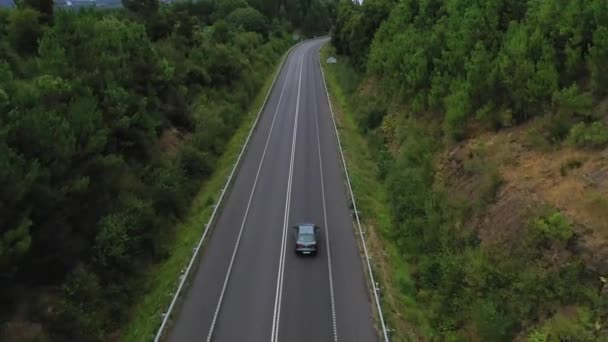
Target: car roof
306, 228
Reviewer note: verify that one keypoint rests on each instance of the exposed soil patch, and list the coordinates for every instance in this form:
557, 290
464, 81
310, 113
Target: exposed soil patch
573, 181
170, 140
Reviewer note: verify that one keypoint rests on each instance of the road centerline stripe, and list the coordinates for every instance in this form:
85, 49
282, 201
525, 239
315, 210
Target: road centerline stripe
219, 304
279, 289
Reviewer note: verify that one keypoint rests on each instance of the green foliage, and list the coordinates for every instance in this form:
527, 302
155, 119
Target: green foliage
224, 8
598, 53
538, 336
458, 110
312, 17
24, 30
356, 25
250, 19
15, 243
553, 226
111, 242
467, 289
490, 321
593, 135
461, 282
516, 54
561, 328
569, 105
145, 8
44, 7
82, 291
109, 123
454, 65
571, 102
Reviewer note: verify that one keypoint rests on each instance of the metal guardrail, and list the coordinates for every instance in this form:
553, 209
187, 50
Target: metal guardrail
217, 205
375, 290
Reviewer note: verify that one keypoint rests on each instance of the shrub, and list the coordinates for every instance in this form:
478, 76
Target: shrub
571, 101
458, 109
491, 322
561, 328
568, 104
594, 135
371, 115
194, 162
553, 226
112, 241
250, 19
538, 336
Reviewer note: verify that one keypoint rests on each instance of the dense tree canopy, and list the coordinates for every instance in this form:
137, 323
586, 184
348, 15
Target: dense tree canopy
460, 55
437, 72
91, 190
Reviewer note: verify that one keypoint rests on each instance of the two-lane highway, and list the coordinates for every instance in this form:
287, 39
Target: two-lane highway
249, 285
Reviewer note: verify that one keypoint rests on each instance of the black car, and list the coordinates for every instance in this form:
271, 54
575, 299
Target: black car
307, 238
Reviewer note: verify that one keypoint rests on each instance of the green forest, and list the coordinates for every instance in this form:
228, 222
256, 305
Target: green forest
425, 77
110, 121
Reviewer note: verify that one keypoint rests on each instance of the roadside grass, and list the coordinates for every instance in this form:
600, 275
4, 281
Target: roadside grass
402, 315
163, 278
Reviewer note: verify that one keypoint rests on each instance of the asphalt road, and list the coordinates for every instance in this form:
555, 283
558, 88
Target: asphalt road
250, 285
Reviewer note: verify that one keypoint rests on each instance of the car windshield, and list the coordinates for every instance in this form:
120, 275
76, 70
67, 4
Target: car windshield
306, 237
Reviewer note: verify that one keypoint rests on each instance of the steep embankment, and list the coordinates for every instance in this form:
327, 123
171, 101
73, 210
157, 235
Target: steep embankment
488, 127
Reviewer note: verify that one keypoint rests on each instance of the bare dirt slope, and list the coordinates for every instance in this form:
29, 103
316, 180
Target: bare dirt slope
525, 178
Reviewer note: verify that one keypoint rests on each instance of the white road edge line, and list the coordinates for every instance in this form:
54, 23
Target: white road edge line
238, 239
331, 278
352, 196
279, 290
186, 273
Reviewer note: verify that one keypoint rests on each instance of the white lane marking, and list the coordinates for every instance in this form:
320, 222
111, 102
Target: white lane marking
255, 182
279, 291
180, 286
352, 196
331, 278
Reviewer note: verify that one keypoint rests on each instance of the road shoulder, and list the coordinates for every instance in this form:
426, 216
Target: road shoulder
390, 271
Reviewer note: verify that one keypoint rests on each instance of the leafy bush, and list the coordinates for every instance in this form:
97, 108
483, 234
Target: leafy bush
553, 226
572, 102
569, 104
594, 135
250, 19
490, 321
560, 328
